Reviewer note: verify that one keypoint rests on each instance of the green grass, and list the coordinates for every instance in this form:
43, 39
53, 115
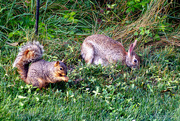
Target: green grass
93, 92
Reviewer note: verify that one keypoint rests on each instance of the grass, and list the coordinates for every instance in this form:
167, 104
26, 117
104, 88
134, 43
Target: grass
93, 92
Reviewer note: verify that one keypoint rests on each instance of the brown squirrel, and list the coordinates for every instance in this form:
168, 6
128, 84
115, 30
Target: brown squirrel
36, 71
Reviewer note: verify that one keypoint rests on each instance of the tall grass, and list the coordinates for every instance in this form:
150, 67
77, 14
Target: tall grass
93, 92
150, 25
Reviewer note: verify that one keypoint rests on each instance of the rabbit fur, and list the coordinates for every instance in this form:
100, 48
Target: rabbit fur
100, 49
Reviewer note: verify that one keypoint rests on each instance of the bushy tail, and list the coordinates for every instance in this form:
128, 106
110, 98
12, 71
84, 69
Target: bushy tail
30, 52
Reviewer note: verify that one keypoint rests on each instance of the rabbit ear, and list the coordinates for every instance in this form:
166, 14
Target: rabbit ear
131, 48
134, 44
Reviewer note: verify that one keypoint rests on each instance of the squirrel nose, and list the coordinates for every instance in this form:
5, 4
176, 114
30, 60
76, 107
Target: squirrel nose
65, 78
63, 74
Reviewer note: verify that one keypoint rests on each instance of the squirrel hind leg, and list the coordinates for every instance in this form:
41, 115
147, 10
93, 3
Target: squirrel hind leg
41, 83
87, 52
36, 82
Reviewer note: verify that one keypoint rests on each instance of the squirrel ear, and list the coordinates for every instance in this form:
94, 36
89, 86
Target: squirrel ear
57, 63
62, 60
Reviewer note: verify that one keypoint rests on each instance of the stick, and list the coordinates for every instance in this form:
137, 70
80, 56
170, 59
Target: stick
37, 17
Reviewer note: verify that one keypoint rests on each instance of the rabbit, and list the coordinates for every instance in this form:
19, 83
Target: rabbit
100, 49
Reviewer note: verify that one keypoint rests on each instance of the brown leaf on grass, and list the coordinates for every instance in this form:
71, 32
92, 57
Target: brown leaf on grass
14, 44
167, 90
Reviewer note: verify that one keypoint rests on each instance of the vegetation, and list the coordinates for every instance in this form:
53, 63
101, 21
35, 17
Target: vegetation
93, 92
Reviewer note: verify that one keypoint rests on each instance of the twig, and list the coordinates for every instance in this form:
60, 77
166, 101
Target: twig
37, 17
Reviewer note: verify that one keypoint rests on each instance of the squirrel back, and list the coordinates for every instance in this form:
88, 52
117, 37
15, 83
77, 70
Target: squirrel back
40, 72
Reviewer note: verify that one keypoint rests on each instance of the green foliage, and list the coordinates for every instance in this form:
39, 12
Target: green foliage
136, 5
115, 92
70, 17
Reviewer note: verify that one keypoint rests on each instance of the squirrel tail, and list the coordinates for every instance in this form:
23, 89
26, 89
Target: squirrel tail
30, 52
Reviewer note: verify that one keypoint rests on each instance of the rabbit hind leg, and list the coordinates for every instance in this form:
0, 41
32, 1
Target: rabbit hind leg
87, 52
98, 60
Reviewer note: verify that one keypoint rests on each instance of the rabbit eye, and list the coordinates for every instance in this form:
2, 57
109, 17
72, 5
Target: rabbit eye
135, 61
61, 68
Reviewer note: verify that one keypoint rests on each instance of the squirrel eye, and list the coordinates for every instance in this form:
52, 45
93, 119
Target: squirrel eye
135, 61
61, 68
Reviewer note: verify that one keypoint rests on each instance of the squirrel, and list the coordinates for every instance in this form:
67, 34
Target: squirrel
36, 71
